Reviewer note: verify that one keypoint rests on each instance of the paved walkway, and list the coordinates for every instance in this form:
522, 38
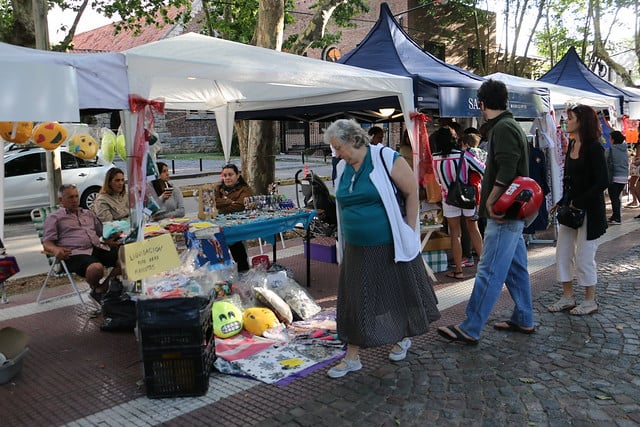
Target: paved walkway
573, 371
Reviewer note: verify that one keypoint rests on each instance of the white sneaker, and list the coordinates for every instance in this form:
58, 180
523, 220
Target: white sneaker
344, 367
397, 356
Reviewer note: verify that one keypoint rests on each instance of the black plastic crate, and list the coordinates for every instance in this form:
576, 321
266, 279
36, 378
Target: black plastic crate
178, 372
172, 322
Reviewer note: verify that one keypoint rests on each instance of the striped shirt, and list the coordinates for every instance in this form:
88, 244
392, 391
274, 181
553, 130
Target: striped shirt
444, 167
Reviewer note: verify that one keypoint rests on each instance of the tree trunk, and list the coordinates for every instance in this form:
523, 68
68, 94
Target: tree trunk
257, 137
315, 29
599, 50
521, 10
481, 66
24, 33
541, 7
66, 43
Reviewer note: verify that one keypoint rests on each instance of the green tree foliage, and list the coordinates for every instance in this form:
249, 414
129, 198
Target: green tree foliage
6, 20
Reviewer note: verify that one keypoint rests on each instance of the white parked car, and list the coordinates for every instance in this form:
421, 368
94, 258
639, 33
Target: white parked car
25, 178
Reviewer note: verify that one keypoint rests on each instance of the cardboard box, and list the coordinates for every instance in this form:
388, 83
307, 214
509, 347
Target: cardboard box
438, 241
322, 251
437, 260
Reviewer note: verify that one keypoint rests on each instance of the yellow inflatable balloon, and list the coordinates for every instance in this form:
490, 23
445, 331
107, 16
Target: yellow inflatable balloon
108, 145
84, 146
23, 131
49, 135
121, 147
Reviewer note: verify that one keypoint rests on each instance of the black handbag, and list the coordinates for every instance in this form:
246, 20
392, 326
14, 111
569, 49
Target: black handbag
566, 214
459, 194
570, 216
402, 203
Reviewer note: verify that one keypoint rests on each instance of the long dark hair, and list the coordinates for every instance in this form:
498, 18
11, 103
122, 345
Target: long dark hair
444, 140
590, 130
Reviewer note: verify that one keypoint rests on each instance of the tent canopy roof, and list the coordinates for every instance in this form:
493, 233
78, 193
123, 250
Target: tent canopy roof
390, 49
101, 77
570, 71
560, 96
196, 72
437, 85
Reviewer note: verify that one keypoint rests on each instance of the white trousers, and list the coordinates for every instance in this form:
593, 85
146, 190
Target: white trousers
575, 253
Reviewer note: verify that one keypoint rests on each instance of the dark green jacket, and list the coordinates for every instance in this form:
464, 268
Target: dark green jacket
508, 155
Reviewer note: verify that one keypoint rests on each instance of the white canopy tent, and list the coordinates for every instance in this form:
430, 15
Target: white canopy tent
44, 86
196, 72
560, 96
35, 93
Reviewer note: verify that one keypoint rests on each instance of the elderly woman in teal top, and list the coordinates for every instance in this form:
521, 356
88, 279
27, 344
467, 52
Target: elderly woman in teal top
384, 292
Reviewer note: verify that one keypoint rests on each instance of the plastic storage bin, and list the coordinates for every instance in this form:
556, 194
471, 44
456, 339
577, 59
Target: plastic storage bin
13, 347
178, 372
176, 345
174, 322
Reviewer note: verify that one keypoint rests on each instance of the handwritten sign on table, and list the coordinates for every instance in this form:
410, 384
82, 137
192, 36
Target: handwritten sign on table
150, 256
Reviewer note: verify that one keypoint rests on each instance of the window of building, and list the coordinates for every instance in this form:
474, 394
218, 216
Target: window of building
474, 56
200, 115
436, 49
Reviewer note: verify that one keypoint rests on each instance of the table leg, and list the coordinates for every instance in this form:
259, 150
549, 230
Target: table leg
275, 244
308, 243
426, 264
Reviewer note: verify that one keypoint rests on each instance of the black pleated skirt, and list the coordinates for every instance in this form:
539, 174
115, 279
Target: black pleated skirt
380, 301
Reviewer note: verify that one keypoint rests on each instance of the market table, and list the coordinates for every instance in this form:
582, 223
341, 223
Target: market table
266, 225
428, 230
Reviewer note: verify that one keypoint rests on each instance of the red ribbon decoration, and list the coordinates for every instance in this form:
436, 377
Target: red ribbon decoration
425, 168
144, 109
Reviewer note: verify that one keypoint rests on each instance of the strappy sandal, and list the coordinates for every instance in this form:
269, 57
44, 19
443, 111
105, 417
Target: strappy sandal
585, 308
562, 304
458, 275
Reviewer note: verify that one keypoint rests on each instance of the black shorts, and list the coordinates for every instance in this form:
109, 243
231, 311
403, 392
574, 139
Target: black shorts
78, 263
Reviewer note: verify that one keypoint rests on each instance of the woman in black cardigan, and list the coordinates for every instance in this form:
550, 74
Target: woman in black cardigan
585, 179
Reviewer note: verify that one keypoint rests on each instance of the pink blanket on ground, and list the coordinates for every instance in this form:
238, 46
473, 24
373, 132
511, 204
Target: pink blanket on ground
241, 346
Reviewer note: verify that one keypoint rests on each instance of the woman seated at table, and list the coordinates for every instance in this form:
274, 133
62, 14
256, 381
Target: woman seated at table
169, 198
112, 203
230, 194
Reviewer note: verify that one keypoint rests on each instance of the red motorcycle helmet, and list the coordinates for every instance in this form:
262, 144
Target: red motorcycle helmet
521, 199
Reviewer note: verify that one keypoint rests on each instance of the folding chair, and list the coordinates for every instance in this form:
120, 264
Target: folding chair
58, 267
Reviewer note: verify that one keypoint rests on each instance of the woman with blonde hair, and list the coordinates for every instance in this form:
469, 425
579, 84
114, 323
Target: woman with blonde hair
112, 203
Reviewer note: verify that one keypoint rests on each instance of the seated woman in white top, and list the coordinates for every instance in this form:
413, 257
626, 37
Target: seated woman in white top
169, 198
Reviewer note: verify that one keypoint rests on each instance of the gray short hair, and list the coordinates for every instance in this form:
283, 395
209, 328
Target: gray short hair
346, 131
64, 187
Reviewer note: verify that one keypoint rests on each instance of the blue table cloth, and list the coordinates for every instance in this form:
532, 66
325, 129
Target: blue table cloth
264, 225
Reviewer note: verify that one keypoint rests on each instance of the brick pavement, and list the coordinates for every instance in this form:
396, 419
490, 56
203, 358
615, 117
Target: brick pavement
573, 371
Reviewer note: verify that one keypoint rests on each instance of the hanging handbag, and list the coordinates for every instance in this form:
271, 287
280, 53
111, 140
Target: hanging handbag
459, 194
402, 203
570, 216
566, 214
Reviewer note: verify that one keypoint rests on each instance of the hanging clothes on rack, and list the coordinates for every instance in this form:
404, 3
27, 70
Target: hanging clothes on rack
538, 172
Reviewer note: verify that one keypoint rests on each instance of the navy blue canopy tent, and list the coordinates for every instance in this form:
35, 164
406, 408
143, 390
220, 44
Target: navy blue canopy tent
437, 85
570, 71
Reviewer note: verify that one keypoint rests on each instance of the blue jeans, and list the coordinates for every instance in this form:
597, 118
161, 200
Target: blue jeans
503, 260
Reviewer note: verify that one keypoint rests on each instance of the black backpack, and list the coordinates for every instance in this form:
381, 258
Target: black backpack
118, 310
